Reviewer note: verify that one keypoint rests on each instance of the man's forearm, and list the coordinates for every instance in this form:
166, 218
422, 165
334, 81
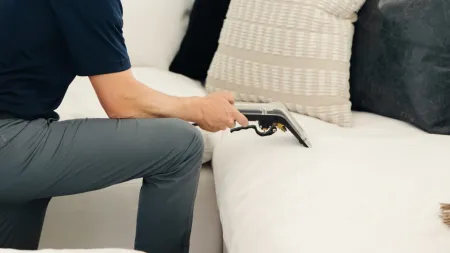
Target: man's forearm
123, 96
155, 104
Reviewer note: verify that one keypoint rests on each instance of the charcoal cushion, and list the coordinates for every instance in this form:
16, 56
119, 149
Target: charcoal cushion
400, 65
201, 40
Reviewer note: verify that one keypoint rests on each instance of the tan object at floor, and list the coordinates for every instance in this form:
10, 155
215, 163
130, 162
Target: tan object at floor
445, 213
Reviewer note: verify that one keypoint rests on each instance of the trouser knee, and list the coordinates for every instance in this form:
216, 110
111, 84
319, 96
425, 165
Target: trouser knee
186, 148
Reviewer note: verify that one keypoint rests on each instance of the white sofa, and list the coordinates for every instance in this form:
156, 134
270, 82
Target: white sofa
372, 188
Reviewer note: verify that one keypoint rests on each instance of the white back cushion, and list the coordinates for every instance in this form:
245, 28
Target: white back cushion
154, 29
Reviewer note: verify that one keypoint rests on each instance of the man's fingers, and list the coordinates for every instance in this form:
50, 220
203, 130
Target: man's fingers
231, 123
216, 129
228, 96
239, 117
212, 129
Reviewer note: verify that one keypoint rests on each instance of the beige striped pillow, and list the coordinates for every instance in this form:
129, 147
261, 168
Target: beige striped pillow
293, 51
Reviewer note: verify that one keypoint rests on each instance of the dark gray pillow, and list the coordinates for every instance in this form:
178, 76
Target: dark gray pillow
201, 40
400, 65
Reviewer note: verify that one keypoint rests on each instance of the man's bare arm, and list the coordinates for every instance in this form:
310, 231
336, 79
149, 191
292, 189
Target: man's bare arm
123, 96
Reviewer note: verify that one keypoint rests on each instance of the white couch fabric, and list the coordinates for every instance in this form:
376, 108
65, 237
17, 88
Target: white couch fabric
372, 188
154, 29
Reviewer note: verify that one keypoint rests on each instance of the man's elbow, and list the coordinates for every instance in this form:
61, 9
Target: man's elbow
112, 114
118, 94
120, 107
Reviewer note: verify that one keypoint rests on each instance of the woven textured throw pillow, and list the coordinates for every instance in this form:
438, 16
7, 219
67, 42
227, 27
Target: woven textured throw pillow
292, 51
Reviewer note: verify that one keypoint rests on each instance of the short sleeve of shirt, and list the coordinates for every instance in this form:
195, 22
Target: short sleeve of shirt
92, 30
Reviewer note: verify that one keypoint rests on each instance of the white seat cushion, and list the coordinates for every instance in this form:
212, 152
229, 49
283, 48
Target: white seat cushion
372, 188
82, 102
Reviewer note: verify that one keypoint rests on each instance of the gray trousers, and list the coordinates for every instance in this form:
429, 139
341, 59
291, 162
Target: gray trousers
42, 159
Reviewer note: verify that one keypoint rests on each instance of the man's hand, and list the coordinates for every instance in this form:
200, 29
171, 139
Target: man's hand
218, 112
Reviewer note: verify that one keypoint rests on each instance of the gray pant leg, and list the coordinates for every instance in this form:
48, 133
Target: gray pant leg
40, 160
21, 224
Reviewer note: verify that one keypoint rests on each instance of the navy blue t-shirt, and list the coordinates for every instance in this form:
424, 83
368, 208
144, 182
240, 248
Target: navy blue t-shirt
44, 44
